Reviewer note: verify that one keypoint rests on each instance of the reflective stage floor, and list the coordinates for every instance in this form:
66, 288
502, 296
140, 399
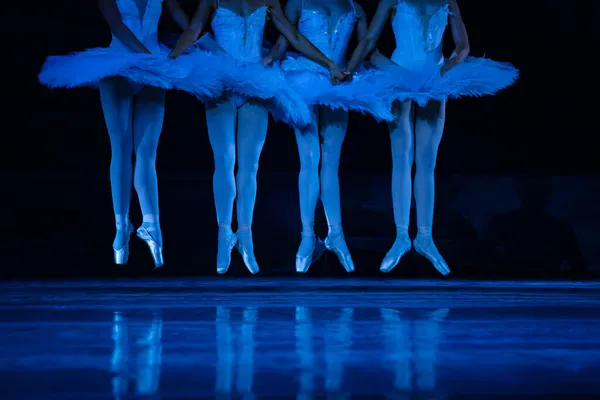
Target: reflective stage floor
298, 338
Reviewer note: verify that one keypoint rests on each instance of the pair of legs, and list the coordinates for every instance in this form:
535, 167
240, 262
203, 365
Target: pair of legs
321, 144
134, 121
415, 134
244, 129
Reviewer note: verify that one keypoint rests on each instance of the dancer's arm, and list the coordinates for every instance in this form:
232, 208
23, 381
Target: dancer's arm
179, 16
369, 41
111, 14
195, 28
460, 37
301, 43
292, 12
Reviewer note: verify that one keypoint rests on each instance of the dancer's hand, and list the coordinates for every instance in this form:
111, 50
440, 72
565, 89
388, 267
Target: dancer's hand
187, 37
337, 75
267, 60
446, 67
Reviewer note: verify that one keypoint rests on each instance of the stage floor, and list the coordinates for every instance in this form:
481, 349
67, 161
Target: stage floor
298, 338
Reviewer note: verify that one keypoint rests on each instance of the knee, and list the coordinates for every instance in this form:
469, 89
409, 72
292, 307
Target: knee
146, 152
225, 160
426, 161
121, 145
248, 167
403, 157
309, 160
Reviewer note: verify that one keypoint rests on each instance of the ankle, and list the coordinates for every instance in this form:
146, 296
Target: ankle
122, 221
424, 232
244, 230
225, 227
335, 231
308, 230
402, 232
150, 221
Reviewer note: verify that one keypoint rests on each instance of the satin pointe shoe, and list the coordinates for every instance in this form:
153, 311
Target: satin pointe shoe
401, 246
155, 249
424, 246
247, 255
337, 244
121, 256
303, 263
227, 240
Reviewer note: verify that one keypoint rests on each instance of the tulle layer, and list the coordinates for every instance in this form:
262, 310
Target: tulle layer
204, 71
474, 77
88, 68
365, 93
245, 80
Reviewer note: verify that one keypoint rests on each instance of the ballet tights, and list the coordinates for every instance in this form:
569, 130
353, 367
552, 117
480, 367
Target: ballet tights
428, 123
246, 126
331, 126
134, 121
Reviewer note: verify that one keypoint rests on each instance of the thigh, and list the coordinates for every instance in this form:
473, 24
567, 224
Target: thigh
401, 128
221, 120
307, 137
252, 125
333, 127
429, 126
148, 116
117, 100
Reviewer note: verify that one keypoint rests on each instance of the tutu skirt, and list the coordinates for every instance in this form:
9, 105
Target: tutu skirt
88, 68
474, 77
364, 93
244, 80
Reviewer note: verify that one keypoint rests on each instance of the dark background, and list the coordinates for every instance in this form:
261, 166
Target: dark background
58, 216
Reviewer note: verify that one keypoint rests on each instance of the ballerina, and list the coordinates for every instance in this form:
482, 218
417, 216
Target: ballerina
419, 105
131, 75
329, 25
238, 122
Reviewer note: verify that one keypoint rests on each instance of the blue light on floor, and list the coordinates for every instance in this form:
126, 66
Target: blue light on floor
298, 339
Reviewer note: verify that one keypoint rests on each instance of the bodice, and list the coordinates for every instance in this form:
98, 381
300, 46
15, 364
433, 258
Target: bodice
141, 17
419, 35
240, 36
329, 34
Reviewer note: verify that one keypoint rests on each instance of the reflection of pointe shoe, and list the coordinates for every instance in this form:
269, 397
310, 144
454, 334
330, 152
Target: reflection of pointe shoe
424, 246
121, 255
337, 244
247, 256
398, 250
155, 248
227, 241
303, 263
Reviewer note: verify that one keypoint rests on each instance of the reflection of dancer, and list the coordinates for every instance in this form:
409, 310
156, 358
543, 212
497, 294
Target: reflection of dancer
238, 27
329, 25
337, 345
235, 352
306, 352
416, 132
411, 346
140, 364
133, 104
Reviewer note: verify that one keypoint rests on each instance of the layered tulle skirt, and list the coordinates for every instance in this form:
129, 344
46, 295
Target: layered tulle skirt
207, 73
365, 93
88, 68
474, 77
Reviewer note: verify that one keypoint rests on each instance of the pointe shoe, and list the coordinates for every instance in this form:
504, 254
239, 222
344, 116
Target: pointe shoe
392, 258
249, 259
121, 256
224, 260
155, 248
425, 247
303, 263
334, 243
